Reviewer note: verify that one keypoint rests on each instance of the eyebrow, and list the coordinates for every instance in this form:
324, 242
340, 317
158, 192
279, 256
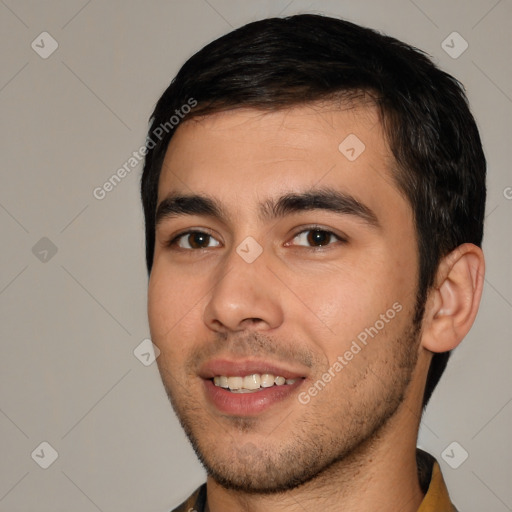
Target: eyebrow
175, 205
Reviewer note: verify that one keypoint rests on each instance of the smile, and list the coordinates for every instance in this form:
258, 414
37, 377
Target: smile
251, 383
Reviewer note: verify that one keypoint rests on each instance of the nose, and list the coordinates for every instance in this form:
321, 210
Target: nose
245, 296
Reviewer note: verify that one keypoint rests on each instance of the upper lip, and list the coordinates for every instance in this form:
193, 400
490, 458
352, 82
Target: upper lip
243, 367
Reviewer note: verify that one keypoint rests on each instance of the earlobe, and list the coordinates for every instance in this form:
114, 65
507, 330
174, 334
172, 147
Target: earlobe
454, 299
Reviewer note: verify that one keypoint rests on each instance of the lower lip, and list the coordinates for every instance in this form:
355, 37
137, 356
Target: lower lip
248, 404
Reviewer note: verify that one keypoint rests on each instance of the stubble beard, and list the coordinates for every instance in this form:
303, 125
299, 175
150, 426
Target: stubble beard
314, 446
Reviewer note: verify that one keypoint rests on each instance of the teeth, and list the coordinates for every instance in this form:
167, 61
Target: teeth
221, 381
250, 383
267, 380
235, 382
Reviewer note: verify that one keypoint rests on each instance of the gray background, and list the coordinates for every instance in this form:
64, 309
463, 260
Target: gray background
70, 321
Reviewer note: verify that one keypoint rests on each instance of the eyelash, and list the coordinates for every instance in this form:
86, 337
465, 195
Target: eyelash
174, 240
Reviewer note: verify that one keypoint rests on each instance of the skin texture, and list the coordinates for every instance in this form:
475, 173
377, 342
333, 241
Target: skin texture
300, 307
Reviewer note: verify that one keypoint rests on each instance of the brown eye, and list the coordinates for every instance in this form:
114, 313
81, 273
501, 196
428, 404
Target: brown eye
318, 237
315, 238
198, 240
195, 240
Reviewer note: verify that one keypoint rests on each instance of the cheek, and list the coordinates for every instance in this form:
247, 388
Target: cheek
330, 309
173, 320
171, 301
160, 303
345, 301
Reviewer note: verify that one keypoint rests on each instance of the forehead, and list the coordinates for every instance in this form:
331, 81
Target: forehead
247, 155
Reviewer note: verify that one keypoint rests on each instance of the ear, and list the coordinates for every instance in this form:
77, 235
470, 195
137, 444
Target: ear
453, 302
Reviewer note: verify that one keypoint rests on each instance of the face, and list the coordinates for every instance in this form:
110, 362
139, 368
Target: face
282, 290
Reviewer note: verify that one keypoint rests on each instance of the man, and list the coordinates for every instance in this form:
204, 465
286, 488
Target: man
314, 198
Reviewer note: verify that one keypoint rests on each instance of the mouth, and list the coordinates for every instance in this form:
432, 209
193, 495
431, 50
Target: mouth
248, 387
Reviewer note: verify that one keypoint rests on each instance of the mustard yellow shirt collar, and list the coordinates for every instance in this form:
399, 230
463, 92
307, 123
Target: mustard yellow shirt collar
437, 499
